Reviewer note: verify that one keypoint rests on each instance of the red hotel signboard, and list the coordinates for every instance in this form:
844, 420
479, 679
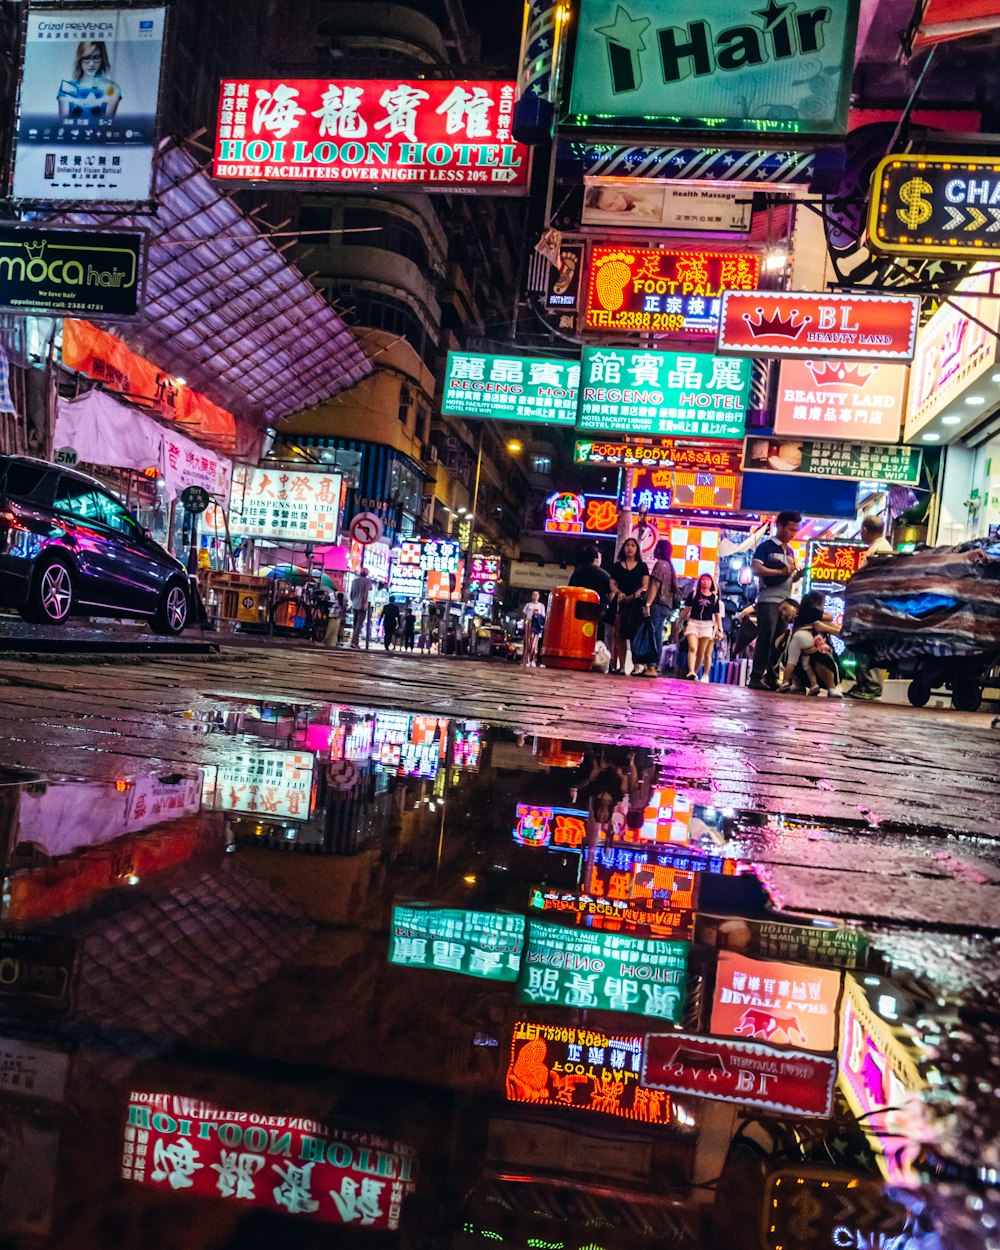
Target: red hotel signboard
453, 135
647, 290
786, 1081
272, 1162
797, 323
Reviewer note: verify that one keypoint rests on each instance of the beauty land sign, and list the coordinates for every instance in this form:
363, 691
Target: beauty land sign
661, 64
820, 324
455, 136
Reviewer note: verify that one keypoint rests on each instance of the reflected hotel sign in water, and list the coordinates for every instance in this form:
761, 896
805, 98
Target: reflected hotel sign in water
276, 1163
476, 943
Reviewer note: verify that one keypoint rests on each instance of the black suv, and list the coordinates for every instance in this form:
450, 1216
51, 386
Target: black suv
69, 547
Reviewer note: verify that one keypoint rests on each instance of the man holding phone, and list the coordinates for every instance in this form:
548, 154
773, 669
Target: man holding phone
774, 566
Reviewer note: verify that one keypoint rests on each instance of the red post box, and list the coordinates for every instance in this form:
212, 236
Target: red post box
571, 628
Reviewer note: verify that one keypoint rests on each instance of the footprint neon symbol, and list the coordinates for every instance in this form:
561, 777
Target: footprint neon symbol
611, 282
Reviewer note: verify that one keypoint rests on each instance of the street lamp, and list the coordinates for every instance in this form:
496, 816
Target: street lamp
514, 445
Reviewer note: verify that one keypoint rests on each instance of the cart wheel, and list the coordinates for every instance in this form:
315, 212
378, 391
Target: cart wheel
919, 691
966, 695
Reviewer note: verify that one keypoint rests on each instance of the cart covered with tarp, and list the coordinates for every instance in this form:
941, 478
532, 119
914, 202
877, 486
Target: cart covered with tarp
931, 615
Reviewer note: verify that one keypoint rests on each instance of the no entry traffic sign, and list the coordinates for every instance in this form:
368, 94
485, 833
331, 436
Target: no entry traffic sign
366, 528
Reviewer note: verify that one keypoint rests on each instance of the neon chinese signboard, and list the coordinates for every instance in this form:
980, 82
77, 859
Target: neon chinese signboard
277, 1163
291, 504
670, 453
645, 392
566, 967
854, 461
789, 1004
274, 785
803, 323
567, 512
511, 388
484, 574
557, 1067
613, 914
787, 1081
431, 555
647, 290
559, 827
840, 399
453, 136
476, 943
833, 563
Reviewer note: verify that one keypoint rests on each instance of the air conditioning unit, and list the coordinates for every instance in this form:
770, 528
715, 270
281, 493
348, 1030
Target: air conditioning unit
431, 455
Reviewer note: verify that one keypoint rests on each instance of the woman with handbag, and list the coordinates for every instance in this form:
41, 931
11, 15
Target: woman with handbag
629, 587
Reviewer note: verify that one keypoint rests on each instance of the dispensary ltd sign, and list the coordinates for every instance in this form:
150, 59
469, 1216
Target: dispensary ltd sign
453, 134
81, 272
781, 67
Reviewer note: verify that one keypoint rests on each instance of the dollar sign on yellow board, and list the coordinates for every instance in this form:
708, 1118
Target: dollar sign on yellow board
912, 193
807, 1211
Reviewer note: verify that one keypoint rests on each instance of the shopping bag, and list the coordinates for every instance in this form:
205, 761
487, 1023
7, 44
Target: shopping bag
644, 648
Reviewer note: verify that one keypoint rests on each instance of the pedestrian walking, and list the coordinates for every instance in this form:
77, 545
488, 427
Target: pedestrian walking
629, 587
664, 595
774, 565
702, 618
338, 610
390, 619
409, 628
360, 593
868, 677
534, 625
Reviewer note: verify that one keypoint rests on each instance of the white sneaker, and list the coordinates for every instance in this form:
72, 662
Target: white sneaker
822, 694
835, 693
704, 680
638, 670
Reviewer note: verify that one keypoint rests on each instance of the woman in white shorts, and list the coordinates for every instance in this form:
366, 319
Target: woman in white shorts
702, 626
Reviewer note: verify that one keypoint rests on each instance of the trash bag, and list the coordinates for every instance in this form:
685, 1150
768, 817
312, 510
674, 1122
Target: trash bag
644, 648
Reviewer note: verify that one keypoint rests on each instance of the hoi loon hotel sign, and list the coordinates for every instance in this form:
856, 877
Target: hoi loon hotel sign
86, 273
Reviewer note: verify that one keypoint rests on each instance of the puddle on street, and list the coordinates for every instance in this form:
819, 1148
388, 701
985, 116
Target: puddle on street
378, 972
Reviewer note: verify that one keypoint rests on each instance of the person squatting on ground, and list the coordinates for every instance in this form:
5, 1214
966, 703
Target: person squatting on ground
807, 644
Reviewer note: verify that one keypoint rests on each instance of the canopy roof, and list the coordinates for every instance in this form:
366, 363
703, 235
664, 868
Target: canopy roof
225, 309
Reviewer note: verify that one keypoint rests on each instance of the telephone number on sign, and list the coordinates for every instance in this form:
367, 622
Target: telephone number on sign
626, 320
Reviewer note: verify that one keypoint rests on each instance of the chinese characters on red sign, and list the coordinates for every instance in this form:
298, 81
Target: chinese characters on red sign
581, 1068
454, 135
550, 826
635, 288
274, 1162
834, 562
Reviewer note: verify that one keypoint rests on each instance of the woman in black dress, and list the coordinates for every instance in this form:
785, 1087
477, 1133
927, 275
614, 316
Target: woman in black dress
629, 586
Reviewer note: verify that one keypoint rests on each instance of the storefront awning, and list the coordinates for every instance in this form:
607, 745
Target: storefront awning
225, 309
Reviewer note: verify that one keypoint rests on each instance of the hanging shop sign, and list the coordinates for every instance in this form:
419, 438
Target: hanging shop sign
567, 967
644, 289
560, 827
275, 785
790, 1004
840, 399
432, 555
713, 491
750, 1073
455, 136
955, 348
736, 167
36, 972
845, 460
375, 557
882, 1084
669, 452
935, 206
644, 392
406, 581
614, 914
291, 504
650, 64
833, 563
562, 291
614, 874
694, 551
475, 943
582, 1068
631, 203
511, 388
811, 1207
591, 516
279, 1163
484, 574
85, 273
774, 939
86, 126
798, 323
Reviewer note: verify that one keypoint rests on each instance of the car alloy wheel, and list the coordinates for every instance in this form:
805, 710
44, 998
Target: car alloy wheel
55, 591
176, 609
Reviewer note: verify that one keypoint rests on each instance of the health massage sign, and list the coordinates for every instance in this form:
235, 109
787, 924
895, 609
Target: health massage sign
277, 1163
778, 1003
558, 1067
478, 944
645, 392
566, 967
511, 388
616, 915
455, 136
644, 289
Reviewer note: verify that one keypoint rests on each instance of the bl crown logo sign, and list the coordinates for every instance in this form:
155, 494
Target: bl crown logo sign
774, 66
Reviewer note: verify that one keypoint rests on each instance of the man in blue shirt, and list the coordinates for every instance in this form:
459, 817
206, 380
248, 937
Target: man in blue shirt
774, 566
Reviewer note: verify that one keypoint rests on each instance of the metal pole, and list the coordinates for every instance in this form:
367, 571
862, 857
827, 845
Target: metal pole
472, 523
625, 514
